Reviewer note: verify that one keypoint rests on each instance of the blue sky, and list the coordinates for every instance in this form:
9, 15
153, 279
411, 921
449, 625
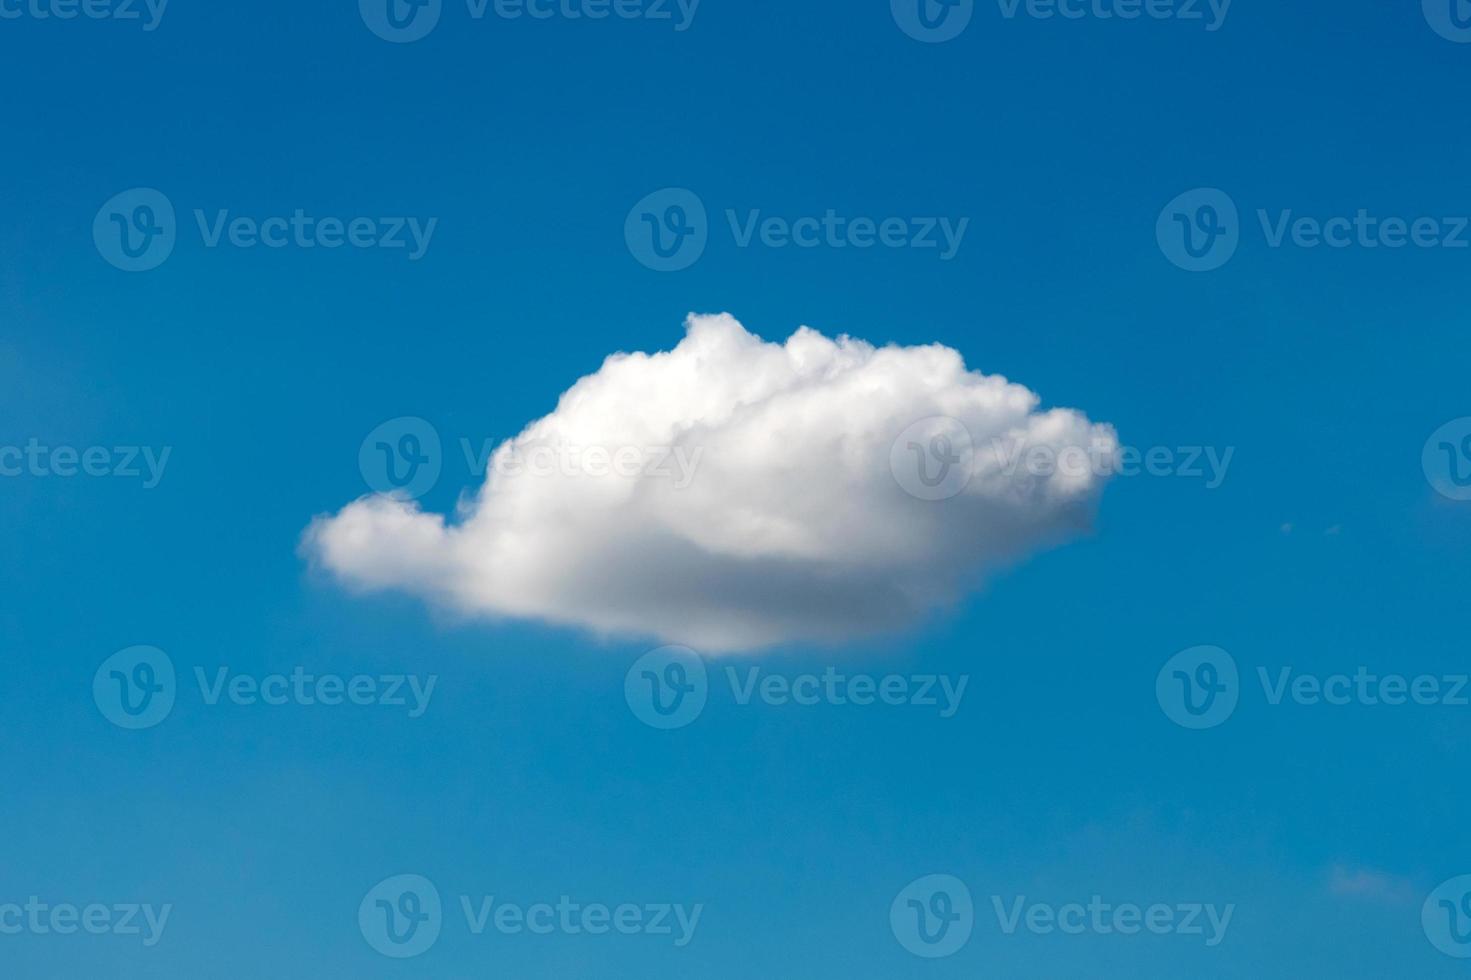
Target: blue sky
528, 777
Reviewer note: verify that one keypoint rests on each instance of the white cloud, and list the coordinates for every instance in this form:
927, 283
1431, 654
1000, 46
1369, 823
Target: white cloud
793, 526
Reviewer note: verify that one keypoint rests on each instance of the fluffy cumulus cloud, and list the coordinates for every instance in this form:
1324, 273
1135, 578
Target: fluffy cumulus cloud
733, 493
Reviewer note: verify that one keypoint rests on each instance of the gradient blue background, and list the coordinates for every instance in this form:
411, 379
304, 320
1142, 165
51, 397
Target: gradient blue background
529, 778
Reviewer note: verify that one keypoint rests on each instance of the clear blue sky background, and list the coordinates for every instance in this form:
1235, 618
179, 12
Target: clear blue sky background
528, 777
